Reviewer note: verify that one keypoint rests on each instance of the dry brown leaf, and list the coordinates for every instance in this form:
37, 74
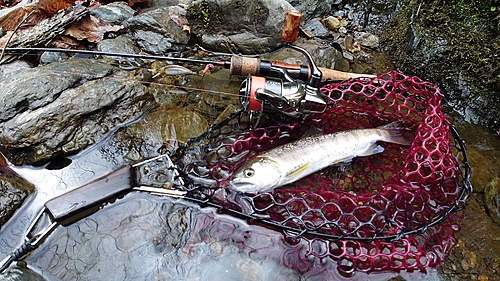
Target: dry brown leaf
66, 42
138, 3
90, 28
51, 7
5, 38
11, 19
180, 21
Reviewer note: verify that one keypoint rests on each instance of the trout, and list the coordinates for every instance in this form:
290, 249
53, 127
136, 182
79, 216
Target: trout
293, 161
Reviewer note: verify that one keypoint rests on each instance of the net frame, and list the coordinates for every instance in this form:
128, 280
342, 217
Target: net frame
361, 213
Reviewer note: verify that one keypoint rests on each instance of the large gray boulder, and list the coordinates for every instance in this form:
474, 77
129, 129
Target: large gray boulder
313, 8
64, 107
252, 26
156, 31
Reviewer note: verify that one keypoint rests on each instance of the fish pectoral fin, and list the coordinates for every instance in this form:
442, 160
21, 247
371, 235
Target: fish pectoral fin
372, 149
342, 161
298, 170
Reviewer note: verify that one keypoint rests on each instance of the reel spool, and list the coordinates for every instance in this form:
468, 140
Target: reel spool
291, 97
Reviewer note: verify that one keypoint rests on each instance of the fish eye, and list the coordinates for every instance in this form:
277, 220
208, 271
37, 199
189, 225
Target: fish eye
248, 173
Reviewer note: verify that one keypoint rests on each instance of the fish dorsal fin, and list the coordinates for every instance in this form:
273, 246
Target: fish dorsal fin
298, 170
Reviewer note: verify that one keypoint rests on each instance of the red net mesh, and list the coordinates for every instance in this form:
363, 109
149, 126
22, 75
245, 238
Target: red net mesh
388, 211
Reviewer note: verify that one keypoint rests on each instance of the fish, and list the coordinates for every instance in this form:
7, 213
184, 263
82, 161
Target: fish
295, 160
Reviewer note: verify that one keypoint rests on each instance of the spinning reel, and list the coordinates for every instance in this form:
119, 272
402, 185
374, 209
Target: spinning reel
280, 92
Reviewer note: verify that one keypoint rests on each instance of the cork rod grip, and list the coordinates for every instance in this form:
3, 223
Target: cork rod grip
341, 75
243, 66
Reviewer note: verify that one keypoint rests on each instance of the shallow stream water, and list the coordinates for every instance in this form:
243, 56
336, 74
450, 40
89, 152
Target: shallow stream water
143, 236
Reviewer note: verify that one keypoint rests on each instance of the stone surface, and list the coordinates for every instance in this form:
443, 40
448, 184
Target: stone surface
317, 28
324, 56
331, 23
63, 107
313, 8
252, 26
367, 39
13, 190
49, 57
120, 44
155, 32
113, 13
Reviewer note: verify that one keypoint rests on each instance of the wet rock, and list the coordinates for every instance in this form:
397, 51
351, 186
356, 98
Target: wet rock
177, 225
343, 31
120, 44
313, 8
252, 26
155, 32
113, 13
20, 274
467, 76
351, 45
367, 39
492, 197
317, 29
483, 174
167, 3
324, 56
13, 68
63, 107
49, 57
13, 192
331, 23
469, 262
166, 126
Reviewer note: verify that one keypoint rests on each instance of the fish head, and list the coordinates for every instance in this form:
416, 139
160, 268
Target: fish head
259, 174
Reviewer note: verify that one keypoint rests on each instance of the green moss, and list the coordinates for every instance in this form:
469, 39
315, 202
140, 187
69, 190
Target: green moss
205, 14
457, 36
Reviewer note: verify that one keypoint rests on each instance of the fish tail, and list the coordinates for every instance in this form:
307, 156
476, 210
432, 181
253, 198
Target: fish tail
393, 133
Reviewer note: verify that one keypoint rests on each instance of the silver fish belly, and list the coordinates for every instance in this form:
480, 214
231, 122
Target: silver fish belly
295, 160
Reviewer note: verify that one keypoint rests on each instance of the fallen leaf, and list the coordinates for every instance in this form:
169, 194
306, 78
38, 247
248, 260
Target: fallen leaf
138, 3
5, 37
12, 18
51, 7
180, 21
91, 28
66, 42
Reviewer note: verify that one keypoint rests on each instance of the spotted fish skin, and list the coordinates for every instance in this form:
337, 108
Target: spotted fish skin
293, 161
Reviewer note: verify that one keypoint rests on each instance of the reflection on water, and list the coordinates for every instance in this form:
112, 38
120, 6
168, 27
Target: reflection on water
145, 237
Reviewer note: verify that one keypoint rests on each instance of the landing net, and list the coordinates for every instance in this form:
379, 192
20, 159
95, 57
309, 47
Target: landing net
397, 210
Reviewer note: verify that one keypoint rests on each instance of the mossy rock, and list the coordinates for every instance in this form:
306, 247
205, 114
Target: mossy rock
455, 44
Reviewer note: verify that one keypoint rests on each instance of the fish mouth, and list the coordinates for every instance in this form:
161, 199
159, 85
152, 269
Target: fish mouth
241, 186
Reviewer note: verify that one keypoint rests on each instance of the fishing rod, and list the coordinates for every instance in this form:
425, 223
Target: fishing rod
293, 90
238, 65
